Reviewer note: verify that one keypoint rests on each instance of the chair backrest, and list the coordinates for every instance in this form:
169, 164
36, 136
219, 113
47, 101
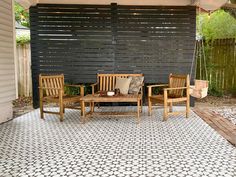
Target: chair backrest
51, 81
107, 81
176, 81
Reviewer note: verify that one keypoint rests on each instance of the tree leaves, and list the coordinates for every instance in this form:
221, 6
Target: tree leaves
217, 25
21, 15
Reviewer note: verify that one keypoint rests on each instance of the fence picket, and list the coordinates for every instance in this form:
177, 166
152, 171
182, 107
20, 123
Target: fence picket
23, 60
221, 64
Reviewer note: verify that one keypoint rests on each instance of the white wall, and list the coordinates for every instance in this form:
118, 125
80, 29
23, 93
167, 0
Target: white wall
7, 53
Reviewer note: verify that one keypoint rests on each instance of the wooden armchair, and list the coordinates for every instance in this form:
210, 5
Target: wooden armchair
176, 91
51, 89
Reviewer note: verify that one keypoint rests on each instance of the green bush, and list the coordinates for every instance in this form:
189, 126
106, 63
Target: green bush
76, 90
217, 25
214, 91
72, 90
233, 92
23, 39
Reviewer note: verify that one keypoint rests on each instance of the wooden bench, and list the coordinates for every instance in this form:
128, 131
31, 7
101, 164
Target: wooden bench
107, 82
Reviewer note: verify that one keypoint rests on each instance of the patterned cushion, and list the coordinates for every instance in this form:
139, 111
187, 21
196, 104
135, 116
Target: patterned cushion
123, 84
136, 84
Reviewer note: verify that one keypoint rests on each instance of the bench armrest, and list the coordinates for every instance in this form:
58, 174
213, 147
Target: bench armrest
93, 87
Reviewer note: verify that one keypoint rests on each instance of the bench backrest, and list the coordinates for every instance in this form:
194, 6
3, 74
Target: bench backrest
51, 81
107, 81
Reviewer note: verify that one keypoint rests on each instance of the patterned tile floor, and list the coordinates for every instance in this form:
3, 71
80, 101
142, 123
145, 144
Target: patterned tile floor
109, 146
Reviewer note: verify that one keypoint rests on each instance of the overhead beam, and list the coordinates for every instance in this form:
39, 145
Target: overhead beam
28, 3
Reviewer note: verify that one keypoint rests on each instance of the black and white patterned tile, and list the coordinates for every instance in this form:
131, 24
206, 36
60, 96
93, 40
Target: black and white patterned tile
114, 146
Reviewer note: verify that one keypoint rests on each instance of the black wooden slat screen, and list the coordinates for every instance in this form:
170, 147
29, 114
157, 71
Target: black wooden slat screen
82, 40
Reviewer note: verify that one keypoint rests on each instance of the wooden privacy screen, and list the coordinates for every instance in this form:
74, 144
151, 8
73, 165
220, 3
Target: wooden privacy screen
83, 40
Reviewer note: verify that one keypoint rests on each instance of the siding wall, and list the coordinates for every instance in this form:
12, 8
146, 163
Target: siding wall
7, 67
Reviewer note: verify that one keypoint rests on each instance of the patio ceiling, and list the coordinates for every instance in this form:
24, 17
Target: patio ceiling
28, 3
208, 5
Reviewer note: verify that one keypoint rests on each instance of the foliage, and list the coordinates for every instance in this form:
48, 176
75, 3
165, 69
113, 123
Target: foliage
21, 15
23, 39
217, 25
233, 92
72, 90
214, 91
76, 90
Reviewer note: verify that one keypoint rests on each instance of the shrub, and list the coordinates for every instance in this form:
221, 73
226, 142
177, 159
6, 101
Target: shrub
23, 39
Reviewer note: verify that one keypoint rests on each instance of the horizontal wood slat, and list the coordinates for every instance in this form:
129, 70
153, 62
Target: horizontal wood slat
82, 40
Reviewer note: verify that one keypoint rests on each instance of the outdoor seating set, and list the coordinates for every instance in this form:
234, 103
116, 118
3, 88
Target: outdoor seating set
114, 88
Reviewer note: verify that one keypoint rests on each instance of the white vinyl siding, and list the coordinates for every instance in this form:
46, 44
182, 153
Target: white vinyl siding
7, 67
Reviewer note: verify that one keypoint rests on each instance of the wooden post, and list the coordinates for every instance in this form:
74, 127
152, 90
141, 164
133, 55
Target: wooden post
61, 105
41, 98
165, 105
149, 101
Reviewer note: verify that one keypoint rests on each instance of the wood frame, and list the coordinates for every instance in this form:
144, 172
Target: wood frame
181, 83
96, 98
51, 89
106, 82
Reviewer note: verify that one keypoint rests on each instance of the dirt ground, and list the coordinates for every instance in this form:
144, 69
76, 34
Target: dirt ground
24, 104
215, 102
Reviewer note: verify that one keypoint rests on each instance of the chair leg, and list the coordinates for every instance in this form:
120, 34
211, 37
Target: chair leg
171, 107
61, 112
141, 106
81, 109
187, 108
41, 108
92, 106
165, 111
149, 107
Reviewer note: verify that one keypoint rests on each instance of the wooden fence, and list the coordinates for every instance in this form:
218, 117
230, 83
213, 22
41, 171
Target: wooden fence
220, 63
23, 65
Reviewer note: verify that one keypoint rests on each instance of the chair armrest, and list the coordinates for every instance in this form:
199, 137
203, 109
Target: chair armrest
150, 87
94, 84
160, 85
79, 86
93, 87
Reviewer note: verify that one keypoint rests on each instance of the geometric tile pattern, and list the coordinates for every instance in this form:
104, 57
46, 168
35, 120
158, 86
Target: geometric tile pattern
114, 146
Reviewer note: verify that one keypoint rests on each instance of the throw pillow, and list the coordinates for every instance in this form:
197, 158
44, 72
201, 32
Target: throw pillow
136, 84
123, 84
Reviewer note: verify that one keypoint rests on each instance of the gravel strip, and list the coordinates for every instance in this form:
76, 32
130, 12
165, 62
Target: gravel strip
228, 112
